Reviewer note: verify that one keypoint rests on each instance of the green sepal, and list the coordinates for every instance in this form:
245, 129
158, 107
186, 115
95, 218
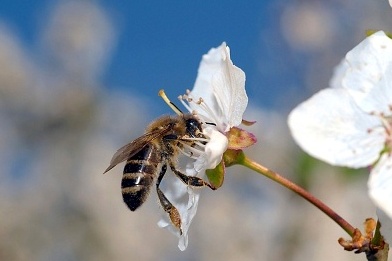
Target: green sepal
217, 175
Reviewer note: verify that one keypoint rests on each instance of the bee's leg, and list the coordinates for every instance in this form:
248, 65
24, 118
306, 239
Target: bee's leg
190, 180
166, 204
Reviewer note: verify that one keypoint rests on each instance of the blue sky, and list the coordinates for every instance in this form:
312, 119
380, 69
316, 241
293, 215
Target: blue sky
160, 45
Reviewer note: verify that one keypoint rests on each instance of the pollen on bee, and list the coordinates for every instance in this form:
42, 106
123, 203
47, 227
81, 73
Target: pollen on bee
175, 219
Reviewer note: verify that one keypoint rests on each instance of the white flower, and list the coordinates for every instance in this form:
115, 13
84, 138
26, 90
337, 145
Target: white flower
219, 100
350, 124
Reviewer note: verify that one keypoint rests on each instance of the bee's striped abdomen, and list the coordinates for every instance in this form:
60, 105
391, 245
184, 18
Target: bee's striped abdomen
139, 174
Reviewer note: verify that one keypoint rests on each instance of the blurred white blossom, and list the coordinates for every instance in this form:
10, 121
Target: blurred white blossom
350, 124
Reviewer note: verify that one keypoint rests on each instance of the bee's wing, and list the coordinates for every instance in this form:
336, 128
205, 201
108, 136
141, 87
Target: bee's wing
135, 146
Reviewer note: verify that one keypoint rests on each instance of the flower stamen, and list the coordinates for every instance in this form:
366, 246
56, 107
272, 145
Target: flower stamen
191, 152
188, 154
209, 112
182, 99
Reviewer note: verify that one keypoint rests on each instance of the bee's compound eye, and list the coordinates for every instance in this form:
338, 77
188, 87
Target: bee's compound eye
193, 125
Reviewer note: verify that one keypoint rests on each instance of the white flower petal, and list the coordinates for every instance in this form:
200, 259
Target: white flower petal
222, 86
213, 151
186, 200
330, 127
380, 184
187, 216
345, 125
368, 77
229, 89
209, 65
340, 72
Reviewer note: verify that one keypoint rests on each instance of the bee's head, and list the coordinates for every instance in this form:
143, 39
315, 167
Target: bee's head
193, 126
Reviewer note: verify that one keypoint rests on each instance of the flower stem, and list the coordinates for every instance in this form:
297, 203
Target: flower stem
245, 161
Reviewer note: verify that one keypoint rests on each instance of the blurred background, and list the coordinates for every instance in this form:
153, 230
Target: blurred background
79, 79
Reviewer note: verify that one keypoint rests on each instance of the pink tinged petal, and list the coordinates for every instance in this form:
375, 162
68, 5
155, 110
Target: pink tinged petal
248, 123
380, 184
330, 127
240, 139
368, 76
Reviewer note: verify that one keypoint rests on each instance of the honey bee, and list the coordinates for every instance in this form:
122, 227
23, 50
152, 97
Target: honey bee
148, 157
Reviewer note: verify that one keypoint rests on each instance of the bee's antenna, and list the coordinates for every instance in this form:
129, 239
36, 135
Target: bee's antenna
171, 105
